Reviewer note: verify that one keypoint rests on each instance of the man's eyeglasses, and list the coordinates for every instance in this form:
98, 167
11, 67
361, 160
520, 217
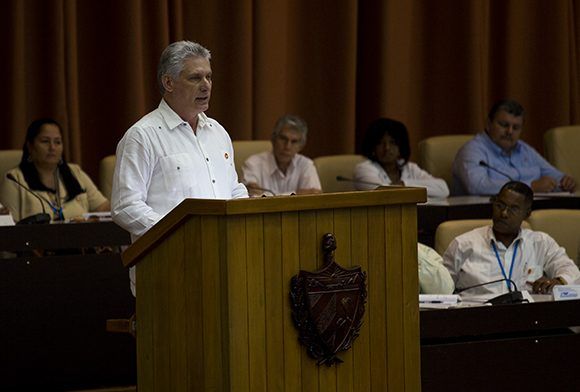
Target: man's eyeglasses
501, 206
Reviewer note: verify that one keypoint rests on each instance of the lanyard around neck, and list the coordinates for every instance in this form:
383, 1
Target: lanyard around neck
507, 278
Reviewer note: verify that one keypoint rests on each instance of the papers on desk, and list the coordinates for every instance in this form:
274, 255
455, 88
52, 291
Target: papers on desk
98, 216
453, 301
6, 220
437, 301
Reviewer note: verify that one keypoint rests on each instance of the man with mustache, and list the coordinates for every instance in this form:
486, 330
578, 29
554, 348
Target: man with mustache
531, 259
497, 155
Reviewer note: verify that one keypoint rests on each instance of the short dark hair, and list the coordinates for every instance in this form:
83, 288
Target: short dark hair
386, 126
521, 188
510, 106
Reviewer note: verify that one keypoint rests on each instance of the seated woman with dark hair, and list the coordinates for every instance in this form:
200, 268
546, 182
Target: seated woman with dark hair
386, 145
65, 191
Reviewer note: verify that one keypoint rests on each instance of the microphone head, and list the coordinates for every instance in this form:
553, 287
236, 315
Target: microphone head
10, 177
340, 178
482, 163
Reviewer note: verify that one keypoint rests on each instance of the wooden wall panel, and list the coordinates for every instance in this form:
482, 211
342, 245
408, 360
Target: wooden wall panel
174, 260
275, 301
394, 309
362, 346
376, 309
237, 303
211, 357
161, 317
256, 302
290, 267
308, 261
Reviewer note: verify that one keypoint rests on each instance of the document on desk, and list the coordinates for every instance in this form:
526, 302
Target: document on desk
437, 301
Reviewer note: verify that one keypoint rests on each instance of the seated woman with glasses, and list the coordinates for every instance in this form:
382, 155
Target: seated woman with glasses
44, 183
386, 145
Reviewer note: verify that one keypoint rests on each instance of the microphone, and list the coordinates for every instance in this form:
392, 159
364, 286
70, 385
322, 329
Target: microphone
511, 297
40, 218
484, 164
341, 178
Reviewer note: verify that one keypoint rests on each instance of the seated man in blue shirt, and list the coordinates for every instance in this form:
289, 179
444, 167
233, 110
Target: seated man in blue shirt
497, 156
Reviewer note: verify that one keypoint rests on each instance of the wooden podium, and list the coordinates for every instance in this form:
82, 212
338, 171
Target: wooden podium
213, 282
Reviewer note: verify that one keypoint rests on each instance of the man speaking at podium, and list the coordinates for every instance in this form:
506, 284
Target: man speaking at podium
507, 253
176, 151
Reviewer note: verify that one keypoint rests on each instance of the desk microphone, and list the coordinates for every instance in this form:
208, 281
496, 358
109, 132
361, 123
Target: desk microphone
511, 297
484, 164
345, 179
39, 218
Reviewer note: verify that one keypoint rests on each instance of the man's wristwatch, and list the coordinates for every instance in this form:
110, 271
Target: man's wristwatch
560, 280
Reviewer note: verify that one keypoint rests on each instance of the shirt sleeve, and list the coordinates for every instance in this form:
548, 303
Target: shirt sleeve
251, 171
436, 187
133, 171
309, 177
95, 197
367, 176
473, 177
546, 169
434, 278
556, 261
453, 259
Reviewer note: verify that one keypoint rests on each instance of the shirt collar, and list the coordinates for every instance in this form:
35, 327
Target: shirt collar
491, 237
274, 165
495, 148
173, 120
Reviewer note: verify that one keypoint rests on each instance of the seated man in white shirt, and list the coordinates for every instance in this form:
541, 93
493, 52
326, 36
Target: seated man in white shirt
507, 252
283, 170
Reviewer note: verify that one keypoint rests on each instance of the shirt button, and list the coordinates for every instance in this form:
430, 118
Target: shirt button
178, 168
207, 159
213, 181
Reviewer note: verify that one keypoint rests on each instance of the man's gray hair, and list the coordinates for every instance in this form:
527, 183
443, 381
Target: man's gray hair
293, 122
172, 58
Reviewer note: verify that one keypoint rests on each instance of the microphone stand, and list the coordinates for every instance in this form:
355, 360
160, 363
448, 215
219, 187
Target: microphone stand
40, 218
484, 164
511, 297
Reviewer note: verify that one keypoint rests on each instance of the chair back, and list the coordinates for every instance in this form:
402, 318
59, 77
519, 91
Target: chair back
106, 171
448, 230
436, 154
331, 166
243, 149
561, 148
9, 159
562, 225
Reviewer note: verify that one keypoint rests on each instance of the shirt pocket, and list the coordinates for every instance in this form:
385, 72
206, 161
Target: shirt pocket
178, 175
